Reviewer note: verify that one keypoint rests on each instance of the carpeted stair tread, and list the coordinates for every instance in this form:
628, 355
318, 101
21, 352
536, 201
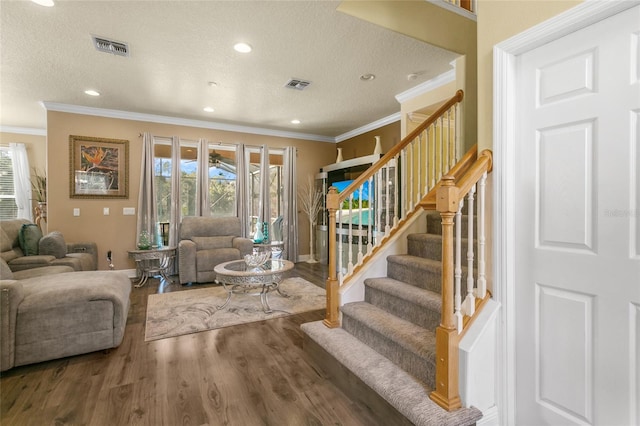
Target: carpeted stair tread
400, 389
414, 270
408, 335
417, 305
407, 345
429, 246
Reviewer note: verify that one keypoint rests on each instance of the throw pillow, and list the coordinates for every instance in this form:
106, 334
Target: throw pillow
29, 237
53, 244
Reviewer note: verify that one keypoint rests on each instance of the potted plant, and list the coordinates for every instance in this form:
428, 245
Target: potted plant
311, 201
39, 186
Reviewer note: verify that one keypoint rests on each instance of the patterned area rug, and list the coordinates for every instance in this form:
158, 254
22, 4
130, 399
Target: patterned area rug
192, 311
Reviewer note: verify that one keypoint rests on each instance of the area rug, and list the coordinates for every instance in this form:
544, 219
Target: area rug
192, 311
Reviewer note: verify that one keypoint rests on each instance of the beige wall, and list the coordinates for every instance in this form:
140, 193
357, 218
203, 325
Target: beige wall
363, 145
116, 232
498, 21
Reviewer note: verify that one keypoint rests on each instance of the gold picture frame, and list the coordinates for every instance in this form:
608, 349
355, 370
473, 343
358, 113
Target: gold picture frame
99, 167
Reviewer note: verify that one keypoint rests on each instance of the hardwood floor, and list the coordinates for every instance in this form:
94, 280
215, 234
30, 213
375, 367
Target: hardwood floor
251, 374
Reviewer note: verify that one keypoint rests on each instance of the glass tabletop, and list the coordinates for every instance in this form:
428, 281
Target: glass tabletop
271, 265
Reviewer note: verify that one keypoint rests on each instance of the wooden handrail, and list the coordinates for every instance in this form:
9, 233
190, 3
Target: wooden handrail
480, 166
396, 149
461, 167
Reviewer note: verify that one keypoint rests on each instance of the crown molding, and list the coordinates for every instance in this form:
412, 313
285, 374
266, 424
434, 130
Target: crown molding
23, 130
427, 86
368, 127
152, 118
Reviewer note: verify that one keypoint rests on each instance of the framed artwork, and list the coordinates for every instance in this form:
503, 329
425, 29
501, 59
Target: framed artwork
99, 167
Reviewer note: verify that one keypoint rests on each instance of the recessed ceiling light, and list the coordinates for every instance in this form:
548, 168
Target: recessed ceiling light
92, 93
208, 109
367, 77
47, 3
242, 47
295, 121
212, 83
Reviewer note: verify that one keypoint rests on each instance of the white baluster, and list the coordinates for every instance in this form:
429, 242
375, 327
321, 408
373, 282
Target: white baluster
411, 176
470, 300
339, 236
394, 179
350, 235
457, 136
419, 176
426, 162
370, 216
451, 138
403, 180
432, 155
441, 162
388, 219
481, 291
360, 254
457, 272
378, 190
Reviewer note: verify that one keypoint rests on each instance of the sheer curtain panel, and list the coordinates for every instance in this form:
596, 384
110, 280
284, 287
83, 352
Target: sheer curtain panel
264, 211
290, 213
147, 209
242, 189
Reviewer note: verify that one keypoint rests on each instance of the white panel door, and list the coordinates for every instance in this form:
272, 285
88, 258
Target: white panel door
578, 228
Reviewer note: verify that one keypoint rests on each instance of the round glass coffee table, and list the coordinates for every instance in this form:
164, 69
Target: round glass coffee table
237, 277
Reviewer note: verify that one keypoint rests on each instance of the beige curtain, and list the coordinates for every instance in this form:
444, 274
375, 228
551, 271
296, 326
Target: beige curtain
202, 181
264, 210
176, 215
21, 180
147, 209
242, 189
290, 213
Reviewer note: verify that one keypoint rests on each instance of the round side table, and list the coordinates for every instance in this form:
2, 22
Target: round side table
152, 262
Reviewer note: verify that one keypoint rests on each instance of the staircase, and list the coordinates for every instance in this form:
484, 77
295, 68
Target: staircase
384, 352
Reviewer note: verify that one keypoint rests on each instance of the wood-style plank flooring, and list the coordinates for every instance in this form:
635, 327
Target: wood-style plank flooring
252, 374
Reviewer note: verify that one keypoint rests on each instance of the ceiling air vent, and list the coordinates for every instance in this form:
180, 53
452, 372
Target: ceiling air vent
110, 46
296, 83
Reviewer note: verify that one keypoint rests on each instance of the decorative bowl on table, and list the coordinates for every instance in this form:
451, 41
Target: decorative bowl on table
257, 259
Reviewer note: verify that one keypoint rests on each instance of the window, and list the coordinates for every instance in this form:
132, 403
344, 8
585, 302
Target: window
8, 207
221, 183
276, 202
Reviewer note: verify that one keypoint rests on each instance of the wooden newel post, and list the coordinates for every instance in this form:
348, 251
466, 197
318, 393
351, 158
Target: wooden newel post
331, 317
446, 393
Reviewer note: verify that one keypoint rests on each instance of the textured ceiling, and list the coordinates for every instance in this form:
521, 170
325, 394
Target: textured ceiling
176, 47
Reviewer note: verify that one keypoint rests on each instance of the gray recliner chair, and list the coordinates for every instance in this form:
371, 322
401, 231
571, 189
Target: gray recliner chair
206, 242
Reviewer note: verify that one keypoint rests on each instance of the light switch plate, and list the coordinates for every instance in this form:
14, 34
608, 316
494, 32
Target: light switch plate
128, 211
105, 211
76, 212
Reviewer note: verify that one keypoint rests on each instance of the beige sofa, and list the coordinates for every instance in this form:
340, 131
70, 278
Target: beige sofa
53, 250
48, 313
206, 242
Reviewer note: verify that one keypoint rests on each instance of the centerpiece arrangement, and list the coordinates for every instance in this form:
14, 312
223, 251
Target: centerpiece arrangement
257, 259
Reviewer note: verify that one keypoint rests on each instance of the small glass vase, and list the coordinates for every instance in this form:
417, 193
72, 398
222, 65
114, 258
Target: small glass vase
143, 241
258, 237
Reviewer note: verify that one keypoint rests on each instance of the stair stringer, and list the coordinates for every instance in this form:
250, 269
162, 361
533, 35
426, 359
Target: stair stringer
376, 265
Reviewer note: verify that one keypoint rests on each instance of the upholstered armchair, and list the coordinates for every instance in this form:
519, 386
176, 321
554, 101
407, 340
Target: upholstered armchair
206, 242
